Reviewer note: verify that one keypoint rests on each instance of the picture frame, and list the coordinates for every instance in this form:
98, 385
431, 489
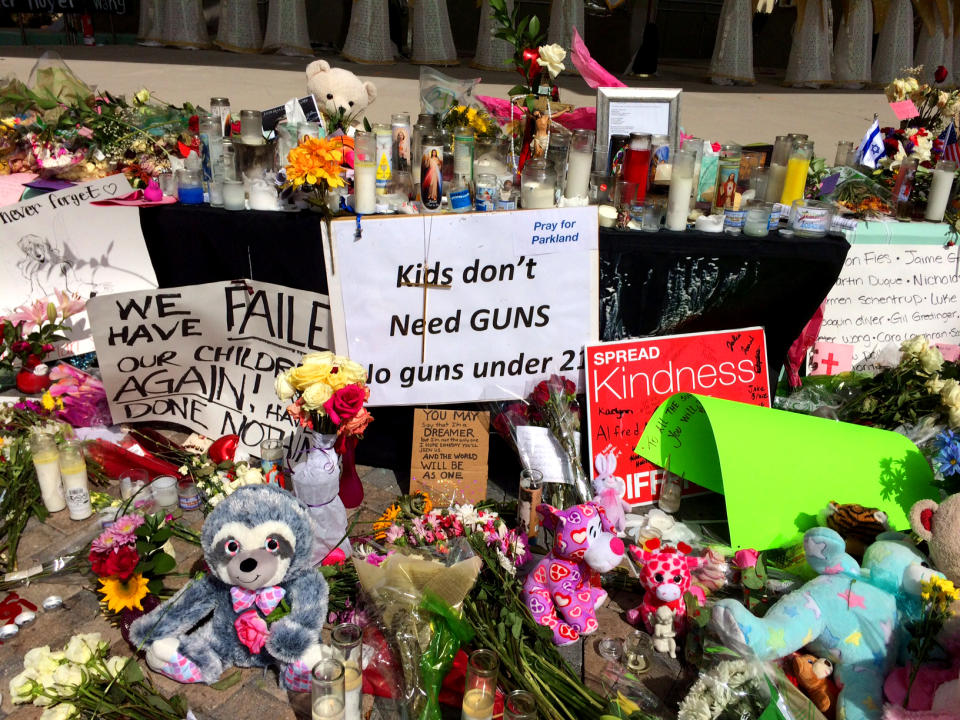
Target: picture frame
622, 110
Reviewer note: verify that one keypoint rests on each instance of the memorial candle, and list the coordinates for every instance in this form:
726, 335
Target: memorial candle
364, 173
940, 187
579, 164
681, 189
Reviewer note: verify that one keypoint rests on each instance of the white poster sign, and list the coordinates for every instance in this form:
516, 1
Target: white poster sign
206, 356
59, 241
464, 308
889, 293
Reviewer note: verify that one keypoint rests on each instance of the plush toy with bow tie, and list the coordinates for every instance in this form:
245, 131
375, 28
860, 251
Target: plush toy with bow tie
268, 603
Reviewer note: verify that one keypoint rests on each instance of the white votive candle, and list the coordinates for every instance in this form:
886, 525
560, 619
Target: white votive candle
477, 705
365, 188
579, 165
73, 472
234, 195
537, 195
164, 490
940, 187
46, 460
352, 690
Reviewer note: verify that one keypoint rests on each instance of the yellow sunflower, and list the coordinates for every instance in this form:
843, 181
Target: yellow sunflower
384, 522
121, 595
313, 161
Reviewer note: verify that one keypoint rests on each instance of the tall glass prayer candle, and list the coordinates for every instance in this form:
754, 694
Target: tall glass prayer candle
636, 165
480, 688
220, 108
728, 177
940, 187
431, 172
46, 460
364, 173
681, 189
384, 140
73, 471
903, 187
579, 164
271, 461
528, 499
401, 131
843, 151
348, 639
327, 699
798, 167
671, 488
211, 147
778, 168
251, 127
463, 151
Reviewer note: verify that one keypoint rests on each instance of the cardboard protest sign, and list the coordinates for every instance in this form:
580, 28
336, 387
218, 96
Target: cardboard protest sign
449, 458
627, 381
464, 308
777, 470
59, 241
206, 356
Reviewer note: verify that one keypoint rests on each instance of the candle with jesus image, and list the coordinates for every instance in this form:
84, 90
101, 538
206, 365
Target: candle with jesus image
431, 172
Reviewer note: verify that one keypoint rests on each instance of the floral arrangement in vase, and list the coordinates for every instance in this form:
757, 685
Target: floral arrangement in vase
27, 336
485, 128
935, 106
329, 393
314, 166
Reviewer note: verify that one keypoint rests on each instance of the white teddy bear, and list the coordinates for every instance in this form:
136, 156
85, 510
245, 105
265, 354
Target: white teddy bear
341, 96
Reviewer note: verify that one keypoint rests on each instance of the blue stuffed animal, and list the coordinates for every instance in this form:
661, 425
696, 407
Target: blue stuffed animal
267, 601
854, 615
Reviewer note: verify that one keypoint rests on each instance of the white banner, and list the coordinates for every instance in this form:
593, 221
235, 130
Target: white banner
59, 241
889, 293
464, 308
205, 356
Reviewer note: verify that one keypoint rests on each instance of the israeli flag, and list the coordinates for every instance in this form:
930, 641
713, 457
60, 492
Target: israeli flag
871, 147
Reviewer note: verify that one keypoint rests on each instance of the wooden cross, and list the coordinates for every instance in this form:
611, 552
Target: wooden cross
426, 286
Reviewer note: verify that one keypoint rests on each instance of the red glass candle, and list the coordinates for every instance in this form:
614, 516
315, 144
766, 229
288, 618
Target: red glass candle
636, 164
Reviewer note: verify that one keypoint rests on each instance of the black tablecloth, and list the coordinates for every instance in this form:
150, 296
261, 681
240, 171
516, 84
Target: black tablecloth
650, 283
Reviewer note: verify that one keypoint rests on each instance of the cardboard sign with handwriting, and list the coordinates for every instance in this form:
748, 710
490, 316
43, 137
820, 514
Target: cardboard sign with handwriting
449, 458
627, 380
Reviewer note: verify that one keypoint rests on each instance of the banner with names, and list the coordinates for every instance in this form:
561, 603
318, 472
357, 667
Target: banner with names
206, 356
464, 308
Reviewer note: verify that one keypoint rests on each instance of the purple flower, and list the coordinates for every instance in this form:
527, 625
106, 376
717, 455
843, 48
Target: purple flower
948, 460
124, 529
945, 439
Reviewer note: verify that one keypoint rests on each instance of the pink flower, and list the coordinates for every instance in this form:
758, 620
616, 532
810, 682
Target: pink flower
251, 631
394, 533
69, 304
745, 558
105, 542
124, 529
31, 315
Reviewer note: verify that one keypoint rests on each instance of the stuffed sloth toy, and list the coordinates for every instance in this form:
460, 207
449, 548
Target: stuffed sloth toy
267, 601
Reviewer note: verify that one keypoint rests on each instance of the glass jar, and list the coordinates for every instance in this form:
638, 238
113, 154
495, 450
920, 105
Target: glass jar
384, 140
46, 461
844, 147
327, 690
431, 172
520, 705
636, 164
757, 222
600, 186
798, 166
652, 214
538, 185
364, 173
234, 195
73, 473
480, 688
941, 186
220, 108
168, 183
190, 187
778, 168
557, 151
211, 155
637, 652
528, 498
188, 498
131, 480
487, 191
251, 127
416, 135
659, 156
728, 176
458, 197
400, 127
308, 129
671, 489
164, 490
271, 461
348, 640
811, 218
463, 147
579, 164
681, 190
903, 187
758, 182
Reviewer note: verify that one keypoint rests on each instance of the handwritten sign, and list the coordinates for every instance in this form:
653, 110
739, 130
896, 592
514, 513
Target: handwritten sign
464, 308
889, 293
627, 381
450, 455
206, 356
830, 358
59, 241
904, 110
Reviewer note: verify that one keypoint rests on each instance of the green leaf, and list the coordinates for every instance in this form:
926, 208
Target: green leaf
159, 703
228, 681
534, 27
155, 586
163, 563
518, 90
144, 548
498, 6
161, 536
132, 672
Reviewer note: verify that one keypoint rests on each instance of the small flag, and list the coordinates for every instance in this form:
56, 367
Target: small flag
871, 147
951, 147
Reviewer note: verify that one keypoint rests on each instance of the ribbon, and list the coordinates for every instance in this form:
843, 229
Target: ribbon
266, 598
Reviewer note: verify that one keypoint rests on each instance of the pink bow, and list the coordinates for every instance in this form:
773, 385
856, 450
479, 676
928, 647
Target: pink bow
266, 598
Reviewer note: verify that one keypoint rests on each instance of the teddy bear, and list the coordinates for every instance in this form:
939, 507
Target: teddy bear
664, 636
938, 524
341, 96
813, 678
266, 601
665, 575
566, 582
855, 615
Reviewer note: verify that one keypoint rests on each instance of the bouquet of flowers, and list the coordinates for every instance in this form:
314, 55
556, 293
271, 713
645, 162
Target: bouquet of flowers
936, 107
328, 393
937, 598
79, 397
216, 480
28, 334
314, 166
484, 127
553, 406
732, 689
131, 557
81, 681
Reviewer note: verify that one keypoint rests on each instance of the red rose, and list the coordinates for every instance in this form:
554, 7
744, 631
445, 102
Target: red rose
251, 631
940, 74
20, 346
345, 403
122, 562
569, 387
541, 393
194, 124
98, 563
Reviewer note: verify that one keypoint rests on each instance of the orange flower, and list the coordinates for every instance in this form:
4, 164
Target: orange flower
313, 161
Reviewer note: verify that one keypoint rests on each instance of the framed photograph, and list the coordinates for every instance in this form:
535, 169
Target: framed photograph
621, 111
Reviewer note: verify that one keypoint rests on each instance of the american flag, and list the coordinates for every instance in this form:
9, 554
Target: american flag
951, 146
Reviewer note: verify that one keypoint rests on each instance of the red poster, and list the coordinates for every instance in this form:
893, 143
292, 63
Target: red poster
627, 380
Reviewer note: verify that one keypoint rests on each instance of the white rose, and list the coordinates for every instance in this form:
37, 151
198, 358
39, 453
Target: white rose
21, 687
934, 385
215, 500
950, 394
319, 358
78, 651
38, 659
116, 664
915, 345
316, 395
67, 677
551, 57
931, 360
953, 417
59, 712
283, 387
